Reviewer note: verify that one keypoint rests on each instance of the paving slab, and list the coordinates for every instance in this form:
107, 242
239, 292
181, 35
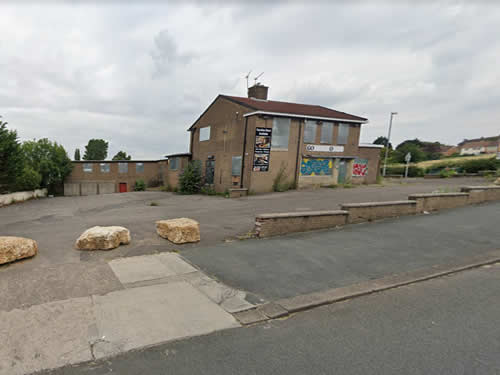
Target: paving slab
149, 267
143, 316
45, 336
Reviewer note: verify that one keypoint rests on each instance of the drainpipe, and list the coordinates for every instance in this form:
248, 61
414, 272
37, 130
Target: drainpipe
243, 155
297, 157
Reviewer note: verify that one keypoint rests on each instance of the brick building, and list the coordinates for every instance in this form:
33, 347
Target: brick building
246, 142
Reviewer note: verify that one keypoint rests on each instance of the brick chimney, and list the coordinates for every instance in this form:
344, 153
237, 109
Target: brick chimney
258, 91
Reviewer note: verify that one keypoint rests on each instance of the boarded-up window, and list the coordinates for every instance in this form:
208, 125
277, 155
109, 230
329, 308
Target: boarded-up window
236, 166
205, 133
87, 167
310, 131
326, 132
104, 167
139, 167
343, 135
281, 131
122, 167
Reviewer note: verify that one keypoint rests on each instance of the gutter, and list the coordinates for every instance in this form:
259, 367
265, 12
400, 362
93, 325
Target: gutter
243, 154
304, 117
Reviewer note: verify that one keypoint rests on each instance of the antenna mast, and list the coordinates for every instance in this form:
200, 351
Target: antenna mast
247, 76
256, 78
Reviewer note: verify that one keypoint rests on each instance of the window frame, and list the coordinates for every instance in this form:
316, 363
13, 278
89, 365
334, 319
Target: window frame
85, 167
171, 161
240, 159
137, 165
107, 165
324, 125
315, 124
343, 126
120, 169
277, 122
204, 130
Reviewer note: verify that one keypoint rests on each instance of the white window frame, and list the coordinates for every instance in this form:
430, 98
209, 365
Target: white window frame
280, 122
205, 134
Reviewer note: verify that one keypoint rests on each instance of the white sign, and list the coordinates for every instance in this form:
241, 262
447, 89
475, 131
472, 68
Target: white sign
408, 157
324, 148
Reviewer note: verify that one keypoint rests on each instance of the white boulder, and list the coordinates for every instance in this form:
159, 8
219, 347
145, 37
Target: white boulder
103, 238
179, 231
14, 248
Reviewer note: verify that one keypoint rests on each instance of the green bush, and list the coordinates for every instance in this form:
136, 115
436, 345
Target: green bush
445, 173
474, 166
280, 183
208, 190
190, 180
140, 185
29, 180
413, 171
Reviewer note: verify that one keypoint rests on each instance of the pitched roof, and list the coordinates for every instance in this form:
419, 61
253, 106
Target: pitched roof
293, 108
480, 142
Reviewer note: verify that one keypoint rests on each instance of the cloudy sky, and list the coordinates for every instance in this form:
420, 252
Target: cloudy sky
139, 75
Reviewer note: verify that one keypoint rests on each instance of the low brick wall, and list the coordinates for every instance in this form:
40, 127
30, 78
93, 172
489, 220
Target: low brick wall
478, 194
237, 193
268, 225
439, 201
21, 196
360, 212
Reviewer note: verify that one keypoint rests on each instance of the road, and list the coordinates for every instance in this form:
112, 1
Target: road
442, 326
287, 266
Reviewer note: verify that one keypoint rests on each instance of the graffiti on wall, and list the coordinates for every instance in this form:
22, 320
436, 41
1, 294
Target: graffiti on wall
316, 167
360, 167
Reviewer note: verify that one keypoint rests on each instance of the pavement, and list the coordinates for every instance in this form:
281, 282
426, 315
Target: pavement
287, 266
161, 298
447, 325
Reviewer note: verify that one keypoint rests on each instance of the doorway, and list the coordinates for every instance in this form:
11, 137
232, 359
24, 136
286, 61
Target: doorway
342, 171
122, 187
210, 170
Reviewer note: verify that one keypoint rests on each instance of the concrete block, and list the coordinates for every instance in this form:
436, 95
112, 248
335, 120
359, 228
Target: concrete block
139, 317
71, 189
250, 316
106, 187
88, 188
273, 310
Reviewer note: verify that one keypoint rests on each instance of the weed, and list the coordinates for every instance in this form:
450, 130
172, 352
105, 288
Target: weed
154, 204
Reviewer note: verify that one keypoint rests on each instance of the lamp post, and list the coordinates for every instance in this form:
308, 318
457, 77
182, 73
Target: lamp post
387, 143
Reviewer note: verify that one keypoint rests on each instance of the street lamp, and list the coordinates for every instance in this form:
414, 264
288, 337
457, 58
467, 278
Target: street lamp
387, 143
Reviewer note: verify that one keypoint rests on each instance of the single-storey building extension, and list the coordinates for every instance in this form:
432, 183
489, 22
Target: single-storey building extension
250, 143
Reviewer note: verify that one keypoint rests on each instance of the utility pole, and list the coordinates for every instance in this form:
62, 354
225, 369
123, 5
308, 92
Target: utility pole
387, 143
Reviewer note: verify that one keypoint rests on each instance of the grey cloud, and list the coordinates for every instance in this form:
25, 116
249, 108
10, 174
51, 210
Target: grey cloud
166, 55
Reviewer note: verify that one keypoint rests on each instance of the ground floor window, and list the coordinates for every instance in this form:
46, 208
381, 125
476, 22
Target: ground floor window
236, 166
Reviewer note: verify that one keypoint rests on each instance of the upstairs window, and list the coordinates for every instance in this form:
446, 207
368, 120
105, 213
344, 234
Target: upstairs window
205, 133
122, 167
104, 167
139, 167
310, 131
343, 135
326, 132
87, 167
281, 131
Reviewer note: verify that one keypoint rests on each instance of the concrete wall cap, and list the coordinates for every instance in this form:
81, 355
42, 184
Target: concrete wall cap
432, 195
469, 188
302, 214
375, 204
239, 189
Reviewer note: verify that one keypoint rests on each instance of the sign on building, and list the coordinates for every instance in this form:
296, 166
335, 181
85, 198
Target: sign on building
324, 148
360, 167
262, 151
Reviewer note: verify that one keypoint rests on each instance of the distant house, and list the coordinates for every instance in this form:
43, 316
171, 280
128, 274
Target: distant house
489, 145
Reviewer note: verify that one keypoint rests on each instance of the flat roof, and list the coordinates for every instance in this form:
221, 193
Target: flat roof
117, 161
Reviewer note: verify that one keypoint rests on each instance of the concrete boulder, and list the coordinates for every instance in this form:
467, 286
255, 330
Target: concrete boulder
179, 231
14, 248
103, 238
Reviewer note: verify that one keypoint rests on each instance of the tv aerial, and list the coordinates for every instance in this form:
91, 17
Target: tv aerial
247, 76
256, 78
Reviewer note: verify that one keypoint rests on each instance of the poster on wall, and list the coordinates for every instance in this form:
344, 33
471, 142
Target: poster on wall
360, 168
262, 149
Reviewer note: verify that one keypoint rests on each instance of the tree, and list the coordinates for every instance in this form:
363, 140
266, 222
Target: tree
77, 154
382, 141
191, 178
122, 155
11, 158
49, 159
416, 153
96, 149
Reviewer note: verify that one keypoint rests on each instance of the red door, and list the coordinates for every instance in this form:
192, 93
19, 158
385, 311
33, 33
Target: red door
123, 187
